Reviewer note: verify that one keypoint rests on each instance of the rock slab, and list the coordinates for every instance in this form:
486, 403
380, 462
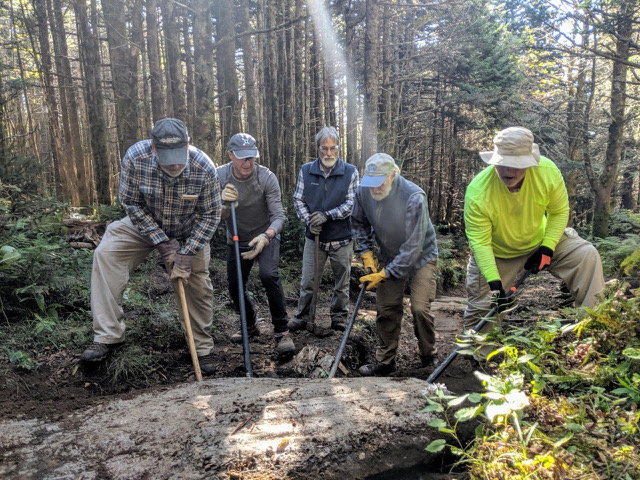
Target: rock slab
231, 428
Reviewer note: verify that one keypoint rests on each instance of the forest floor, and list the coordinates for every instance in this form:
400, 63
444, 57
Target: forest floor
62, 385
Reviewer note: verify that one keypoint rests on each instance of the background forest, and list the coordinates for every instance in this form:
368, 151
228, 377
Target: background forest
428, 82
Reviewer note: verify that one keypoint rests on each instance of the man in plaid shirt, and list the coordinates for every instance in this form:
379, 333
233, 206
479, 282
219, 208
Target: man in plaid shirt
323, 200
171, 192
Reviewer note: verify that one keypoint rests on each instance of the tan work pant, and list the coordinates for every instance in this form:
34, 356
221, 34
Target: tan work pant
121, 250
389, 305
575, 261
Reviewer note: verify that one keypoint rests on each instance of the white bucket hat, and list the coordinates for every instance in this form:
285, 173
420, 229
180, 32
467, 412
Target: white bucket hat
514, 147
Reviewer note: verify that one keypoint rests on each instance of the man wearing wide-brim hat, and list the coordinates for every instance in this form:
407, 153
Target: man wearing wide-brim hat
516, 212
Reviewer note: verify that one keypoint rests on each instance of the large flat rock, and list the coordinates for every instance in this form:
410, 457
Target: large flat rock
231, 428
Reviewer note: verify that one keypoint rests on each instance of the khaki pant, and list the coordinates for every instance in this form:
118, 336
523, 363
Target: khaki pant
121, 250
340, 261
575, 261
389, 305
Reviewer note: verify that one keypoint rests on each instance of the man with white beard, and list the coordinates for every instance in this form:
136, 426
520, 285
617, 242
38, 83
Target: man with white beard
391, 212
323, 200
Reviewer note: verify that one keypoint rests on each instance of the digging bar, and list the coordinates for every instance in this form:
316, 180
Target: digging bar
187, 325
447, 361
243, 309
316, 284
347, 330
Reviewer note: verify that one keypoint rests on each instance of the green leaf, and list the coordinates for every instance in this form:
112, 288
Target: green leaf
457, 401
434, 407
563, 440
575, 427
456, 451
465, 414
436, 445
475, 397
437, 423
631, 352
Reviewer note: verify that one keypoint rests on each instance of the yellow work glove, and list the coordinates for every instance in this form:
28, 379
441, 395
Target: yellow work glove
373, 279
258, 243
370, 262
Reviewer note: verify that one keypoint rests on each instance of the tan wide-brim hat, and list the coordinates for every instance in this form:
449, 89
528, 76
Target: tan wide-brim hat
514, 147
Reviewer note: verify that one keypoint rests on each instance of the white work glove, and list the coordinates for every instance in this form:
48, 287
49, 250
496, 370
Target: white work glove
258, 243
230, 194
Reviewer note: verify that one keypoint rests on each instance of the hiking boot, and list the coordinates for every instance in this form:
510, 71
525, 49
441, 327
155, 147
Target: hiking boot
297, 324
429, 360
285, 347
207, 364
252, 330
338, 324
98, 351
377, 369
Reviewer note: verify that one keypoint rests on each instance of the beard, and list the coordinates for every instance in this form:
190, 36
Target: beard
328, 162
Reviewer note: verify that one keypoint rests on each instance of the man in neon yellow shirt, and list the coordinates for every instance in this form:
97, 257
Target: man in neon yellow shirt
516, 213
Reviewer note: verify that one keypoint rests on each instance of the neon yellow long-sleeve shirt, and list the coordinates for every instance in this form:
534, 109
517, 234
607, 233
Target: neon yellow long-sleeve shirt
501, 224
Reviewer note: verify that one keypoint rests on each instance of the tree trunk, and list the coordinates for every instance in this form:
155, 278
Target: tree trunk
171, 12
615, 140
189, 118
250, 85
158, 101
124, 71
204, 129
46, 76
371, 82
64, 84
91, 61
226, 69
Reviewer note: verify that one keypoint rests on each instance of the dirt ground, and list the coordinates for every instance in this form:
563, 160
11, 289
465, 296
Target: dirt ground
63, 385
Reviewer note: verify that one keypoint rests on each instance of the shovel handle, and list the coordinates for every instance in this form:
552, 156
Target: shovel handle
243, 309
447, 361
187, 327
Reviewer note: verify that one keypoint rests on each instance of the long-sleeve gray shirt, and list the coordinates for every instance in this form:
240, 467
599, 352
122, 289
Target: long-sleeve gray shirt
400, 224
259, 203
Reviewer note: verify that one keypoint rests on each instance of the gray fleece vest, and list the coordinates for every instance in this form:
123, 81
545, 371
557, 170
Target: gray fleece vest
387, 217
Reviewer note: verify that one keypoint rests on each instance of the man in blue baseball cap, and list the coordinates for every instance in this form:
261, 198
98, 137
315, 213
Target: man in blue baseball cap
393, 211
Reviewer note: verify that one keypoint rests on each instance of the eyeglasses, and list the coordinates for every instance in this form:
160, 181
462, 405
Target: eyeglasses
333, 149
248, 159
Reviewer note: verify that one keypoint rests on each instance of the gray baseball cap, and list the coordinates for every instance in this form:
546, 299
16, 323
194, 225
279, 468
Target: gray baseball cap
171, 139
243, 145
378, 166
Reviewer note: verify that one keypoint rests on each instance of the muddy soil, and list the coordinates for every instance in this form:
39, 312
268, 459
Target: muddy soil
61, 385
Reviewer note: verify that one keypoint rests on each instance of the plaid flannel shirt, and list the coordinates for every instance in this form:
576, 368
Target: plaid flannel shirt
186, 207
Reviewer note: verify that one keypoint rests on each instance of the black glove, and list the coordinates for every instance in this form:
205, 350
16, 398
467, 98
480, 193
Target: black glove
499, 299
539, 259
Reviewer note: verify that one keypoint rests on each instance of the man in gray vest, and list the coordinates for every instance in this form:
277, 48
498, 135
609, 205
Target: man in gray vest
323, 200
255, 191
393, 211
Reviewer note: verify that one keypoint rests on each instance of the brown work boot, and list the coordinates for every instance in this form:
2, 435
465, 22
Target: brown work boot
207, 364
297, 324
430, 360
252, 330
98, 351
377, 369
338, 324
285, 348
